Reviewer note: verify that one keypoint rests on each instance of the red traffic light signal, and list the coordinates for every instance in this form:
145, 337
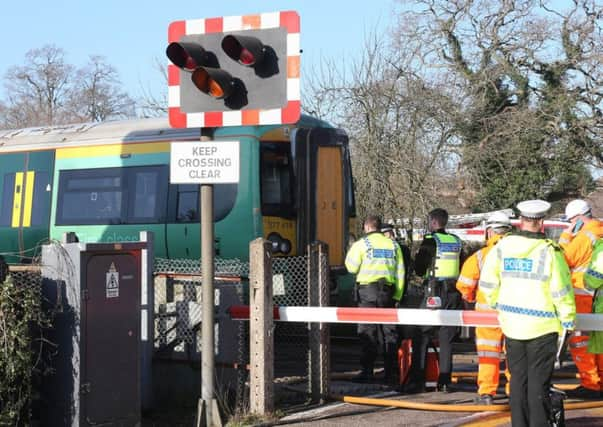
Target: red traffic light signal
187, 56
246, 75
247, 51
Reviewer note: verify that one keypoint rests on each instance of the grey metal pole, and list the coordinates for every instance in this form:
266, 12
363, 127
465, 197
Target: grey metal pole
208, 414
207, 324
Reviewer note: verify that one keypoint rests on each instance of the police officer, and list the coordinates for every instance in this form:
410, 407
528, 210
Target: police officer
525, 277
379, 268
438, 261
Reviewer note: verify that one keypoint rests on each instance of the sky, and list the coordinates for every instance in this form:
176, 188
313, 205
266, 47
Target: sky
132, 34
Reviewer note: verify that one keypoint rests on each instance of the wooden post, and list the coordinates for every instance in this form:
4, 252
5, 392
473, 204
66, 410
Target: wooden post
261, 327
318, 296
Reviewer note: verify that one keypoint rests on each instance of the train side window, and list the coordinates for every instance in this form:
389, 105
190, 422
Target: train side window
148, 187
90, 196
133, 195
276, 179
6, 210
187, 209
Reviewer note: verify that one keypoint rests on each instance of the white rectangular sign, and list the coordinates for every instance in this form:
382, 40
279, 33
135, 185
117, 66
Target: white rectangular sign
202, 162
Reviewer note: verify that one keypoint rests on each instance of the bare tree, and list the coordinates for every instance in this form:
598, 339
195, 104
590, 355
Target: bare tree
152, 105
49, 91
399, 125
37, 90
96, 94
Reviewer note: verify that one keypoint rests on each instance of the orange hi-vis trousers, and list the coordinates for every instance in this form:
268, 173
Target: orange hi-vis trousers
489, 343
589, 365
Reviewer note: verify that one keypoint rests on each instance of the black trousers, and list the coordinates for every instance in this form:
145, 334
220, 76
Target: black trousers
531, 363
421, 342
374, 337
423, 336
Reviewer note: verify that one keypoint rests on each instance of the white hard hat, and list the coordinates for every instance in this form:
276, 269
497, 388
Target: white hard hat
576, 207
534, 209
497, 220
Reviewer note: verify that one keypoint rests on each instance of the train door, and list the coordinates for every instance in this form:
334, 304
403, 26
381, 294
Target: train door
324, 182
25, 202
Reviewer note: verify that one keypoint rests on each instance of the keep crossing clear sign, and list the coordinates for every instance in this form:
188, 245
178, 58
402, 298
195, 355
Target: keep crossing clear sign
203, 162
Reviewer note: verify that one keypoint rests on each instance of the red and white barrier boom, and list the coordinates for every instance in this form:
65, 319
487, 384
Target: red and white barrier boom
401, 316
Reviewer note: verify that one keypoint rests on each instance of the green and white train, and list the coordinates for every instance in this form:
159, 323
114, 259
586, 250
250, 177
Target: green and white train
107, 181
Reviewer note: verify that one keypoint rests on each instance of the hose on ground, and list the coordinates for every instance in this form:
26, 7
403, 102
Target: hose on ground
447, 407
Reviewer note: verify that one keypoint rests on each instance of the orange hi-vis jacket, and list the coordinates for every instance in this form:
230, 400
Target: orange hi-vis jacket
489, 341
578, 251
469, 276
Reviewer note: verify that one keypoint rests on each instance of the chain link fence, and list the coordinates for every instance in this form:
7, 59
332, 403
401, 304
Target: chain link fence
178, 313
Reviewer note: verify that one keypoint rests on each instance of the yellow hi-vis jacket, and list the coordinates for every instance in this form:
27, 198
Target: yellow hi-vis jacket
467, 282
593, 280
528, 281
448, 255
377, 257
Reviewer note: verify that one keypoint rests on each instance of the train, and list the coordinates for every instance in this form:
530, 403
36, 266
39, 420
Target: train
108, 181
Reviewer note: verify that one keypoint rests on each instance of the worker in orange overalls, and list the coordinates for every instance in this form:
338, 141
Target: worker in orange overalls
577, 242
489, 341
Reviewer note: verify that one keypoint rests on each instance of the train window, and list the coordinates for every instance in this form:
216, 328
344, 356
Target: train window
148, 188
276, 179
112, 195
6, 210
188, 201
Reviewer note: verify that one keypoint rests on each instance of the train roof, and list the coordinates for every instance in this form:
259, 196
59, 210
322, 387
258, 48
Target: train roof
109, 132
45, 137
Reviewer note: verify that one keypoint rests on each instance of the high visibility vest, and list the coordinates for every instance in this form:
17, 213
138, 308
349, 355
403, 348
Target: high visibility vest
448, 256
578, 251
376, 257
528, 281
593, 281
593, 277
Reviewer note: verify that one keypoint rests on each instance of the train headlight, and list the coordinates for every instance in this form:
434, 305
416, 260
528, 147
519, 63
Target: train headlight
279, 244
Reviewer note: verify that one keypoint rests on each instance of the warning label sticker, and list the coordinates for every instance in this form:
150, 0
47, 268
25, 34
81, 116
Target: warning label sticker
112, 282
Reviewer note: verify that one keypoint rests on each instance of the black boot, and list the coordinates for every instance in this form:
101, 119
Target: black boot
445, 383
416, 384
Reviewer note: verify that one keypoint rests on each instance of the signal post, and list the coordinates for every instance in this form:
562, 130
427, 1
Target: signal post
226, 71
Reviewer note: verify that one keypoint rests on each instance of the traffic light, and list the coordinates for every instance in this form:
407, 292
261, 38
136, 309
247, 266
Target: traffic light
247, 75
248, 51
187, 56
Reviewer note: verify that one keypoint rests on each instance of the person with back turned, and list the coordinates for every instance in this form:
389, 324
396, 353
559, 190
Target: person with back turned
377, 263
438, 262
526, 279
489, 341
